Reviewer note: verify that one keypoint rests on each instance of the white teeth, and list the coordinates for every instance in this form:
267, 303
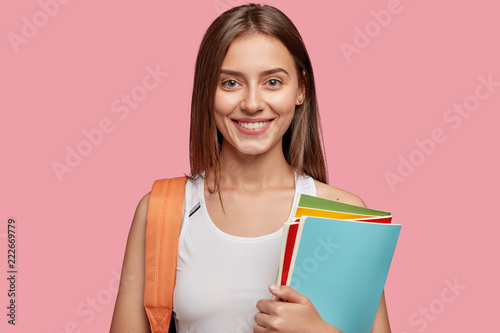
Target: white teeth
253, 125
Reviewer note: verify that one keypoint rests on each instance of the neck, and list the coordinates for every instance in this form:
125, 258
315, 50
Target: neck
254, 172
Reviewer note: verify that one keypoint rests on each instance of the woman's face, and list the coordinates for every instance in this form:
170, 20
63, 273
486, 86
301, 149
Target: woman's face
256, 94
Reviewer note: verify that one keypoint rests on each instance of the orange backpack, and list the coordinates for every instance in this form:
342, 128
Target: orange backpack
162, 236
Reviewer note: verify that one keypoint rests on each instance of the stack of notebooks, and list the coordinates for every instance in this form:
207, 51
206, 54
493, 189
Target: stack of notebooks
338, 255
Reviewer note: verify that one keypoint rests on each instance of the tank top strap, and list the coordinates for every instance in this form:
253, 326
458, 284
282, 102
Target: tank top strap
305, 184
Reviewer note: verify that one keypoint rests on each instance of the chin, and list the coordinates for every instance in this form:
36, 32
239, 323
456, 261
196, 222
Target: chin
245, 149
254, 152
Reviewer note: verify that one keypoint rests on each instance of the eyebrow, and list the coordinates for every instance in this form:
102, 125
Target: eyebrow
263, 73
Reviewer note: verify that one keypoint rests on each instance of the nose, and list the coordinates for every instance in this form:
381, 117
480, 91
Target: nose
252, 100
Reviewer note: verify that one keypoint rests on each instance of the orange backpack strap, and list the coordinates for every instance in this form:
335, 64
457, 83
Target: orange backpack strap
162, 237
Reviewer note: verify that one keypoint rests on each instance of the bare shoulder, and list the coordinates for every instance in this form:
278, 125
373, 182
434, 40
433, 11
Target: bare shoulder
336, 194
138, 226
142, 209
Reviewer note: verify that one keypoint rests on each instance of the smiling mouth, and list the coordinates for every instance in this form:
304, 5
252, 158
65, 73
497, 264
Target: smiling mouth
256, 125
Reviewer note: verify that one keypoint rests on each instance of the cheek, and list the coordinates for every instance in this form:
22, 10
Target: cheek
284, 105
221, 108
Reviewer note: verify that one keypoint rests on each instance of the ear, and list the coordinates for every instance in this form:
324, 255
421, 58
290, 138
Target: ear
301, 94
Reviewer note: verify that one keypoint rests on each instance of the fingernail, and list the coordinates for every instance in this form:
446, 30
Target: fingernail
274, 287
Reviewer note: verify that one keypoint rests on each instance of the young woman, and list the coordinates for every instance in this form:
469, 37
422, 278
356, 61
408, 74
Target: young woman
255, 142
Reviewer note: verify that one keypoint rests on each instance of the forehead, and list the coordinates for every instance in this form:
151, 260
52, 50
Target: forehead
258, 52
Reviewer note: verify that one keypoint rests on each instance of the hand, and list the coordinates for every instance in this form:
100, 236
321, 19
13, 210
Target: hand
296, 314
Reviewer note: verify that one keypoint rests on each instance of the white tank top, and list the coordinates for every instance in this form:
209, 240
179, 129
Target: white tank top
220, 277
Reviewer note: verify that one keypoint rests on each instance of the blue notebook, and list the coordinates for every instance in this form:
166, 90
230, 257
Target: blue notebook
342, 267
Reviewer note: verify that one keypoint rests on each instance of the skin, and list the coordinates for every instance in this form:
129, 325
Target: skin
254, 173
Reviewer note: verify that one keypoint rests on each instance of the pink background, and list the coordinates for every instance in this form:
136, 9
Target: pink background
374, 104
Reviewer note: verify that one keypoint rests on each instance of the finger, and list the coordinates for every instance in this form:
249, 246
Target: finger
265, 305
289, 294
259, 329
261, 319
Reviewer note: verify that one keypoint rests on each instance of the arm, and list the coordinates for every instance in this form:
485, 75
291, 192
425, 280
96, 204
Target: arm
129, 314
381, 323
